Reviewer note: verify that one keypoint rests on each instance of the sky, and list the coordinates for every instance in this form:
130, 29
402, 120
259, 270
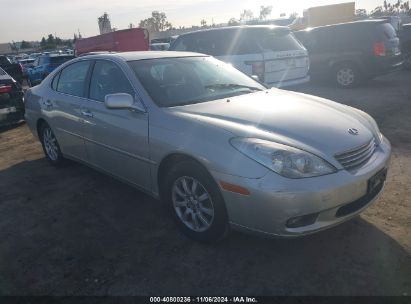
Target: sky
32, 19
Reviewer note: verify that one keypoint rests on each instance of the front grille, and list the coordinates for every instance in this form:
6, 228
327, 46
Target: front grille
357, 157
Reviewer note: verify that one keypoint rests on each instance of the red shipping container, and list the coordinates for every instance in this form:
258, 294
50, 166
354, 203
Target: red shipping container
135, 39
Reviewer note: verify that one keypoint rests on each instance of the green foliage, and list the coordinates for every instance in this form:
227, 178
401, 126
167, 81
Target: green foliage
388, 8
25, 45
156, 23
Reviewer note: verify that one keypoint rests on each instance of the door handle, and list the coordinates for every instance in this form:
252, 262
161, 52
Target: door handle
86, 113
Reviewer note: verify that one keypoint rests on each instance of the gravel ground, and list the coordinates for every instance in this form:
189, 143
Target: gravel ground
74, 231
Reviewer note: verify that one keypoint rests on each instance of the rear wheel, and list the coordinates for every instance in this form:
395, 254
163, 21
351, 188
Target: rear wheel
196, 202
50, 145
347, 75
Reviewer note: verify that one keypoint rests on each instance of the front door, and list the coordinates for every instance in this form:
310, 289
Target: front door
116, 139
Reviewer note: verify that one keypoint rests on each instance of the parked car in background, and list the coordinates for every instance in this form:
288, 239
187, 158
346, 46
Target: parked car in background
405, 41
44, 65
348, 53
217, 146
15, 70
159, 46
270, 52
11, 100
135, 39
26, 64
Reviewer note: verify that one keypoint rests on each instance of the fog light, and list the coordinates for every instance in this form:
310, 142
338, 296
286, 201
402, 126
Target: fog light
301, 221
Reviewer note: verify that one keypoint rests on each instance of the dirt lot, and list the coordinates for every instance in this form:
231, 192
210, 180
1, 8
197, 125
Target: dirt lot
73, 231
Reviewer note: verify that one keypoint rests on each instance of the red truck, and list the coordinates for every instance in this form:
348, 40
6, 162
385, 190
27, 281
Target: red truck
135, 39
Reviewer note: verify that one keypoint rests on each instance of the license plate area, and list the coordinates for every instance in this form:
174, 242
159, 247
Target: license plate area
376, 182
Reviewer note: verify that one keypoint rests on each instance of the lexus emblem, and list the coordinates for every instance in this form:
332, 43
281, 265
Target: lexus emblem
353, 131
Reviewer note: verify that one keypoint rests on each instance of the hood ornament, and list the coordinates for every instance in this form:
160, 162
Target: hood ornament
353, 131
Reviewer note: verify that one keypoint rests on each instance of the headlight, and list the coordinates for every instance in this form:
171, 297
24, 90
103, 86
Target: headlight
285, 160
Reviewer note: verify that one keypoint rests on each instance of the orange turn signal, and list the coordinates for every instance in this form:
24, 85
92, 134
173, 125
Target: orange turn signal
234, 188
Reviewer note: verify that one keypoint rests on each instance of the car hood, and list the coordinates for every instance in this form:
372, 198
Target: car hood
304, 121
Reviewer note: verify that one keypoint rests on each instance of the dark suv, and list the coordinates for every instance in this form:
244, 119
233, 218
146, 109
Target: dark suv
350, 52
405, 40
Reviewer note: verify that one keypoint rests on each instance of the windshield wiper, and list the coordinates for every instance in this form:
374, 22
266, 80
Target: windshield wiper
231, 86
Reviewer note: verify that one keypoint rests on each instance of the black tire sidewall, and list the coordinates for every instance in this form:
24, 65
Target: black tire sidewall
60, 159
407, 62
219, 226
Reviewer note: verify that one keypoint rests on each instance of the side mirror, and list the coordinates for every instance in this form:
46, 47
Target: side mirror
122, 101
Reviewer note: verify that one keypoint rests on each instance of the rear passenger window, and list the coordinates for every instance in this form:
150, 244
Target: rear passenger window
108, 78
72, 78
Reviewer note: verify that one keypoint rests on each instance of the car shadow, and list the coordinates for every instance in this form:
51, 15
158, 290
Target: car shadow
74, 231
11, 126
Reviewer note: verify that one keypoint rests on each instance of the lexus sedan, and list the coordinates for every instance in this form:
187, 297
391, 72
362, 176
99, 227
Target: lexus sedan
220, 149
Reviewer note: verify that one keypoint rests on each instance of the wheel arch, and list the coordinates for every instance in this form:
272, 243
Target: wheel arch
171, 159
41, 121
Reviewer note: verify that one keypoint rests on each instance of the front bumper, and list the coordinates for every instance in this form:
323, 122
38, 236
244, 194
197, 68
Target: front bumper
273, 199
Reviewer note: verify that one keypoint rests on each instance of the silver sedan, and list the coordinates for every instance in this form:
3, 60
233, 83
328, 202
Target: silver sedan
220, 149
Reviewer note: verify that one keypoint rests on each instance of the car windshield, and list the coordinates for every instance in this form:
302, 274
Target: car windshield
188, 80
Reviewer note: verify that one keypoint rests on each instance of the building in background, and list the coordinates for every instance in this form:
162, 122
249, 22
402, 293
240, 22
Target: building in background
104, 24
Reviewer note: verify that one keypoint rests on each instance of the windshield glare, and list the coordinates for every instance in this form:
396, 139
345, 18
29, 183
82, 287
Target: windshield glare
181, 81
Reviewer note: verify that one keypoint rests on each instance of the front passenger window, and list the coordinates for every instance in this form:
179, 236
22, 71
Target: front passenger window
108, 78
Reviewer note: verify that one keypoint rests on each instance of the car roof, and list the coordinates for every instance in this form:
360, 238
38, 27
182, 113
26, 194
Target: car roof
237, 27
143, 55
346, 24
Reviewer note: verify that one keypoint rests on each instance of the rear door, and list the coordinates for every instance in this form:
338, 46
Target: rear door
116, 139
62, 108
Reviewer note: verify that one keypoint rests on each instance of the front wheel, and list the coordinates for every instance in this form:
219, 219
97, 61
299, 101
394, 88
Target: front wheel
347, 75
50, 145
196, 202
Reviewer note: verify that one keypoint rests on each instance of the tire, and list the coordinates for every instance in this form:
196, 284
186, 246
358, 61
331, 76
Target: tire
346, 75
51, 147
407, 60
200, 214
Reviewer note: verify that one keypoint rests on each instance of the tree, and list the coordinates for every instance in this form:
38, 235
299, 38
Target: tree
293, 15
156, 23
387, 8
233, 22
362, 13
203, 23
265, 11
247, 15
25, 45
50, 39
43, 42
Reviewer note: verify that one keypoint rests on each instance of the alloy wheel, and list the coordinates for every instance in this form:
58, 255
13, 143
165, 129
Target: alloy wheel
345, 76
50, 144
192, 203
